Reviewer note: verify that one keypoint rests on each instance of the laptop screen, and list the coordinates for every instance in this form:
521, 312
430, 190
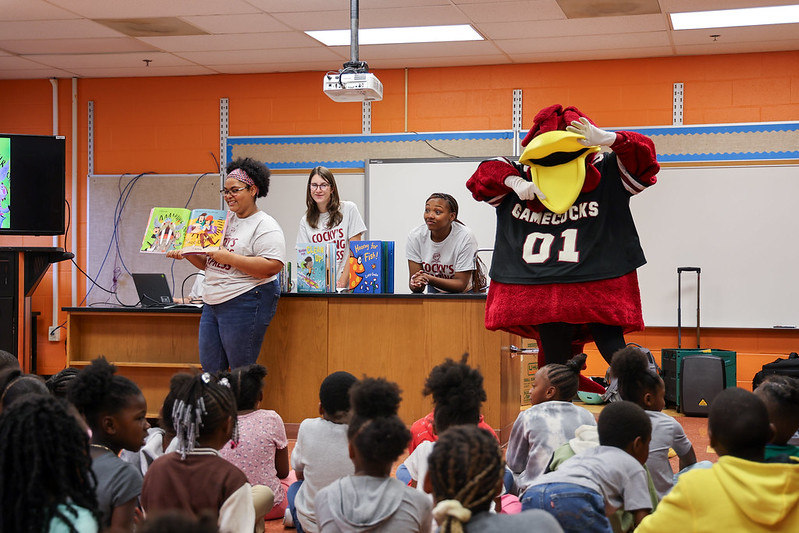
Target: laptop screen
153, 290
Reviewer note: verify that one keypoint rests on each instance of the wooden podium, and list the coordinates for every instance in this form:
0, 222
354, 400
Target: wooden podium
21, 270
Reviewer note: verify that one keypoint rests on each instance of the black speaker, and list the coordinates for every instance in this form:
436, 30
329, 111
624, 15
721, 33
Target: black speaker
702, 377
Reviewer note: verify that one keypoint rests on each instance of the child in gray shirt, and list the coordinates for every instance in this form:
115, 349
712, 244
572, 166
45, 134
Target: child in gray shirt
589, 487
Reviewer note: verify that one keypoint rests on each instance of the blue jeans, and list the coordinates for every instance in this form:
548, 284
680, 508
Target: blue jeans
578, 509
290, 494
231, 333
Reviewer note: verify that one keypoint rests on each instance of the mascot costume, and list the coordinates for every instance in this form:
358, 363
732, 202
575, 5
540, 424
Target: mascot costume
566, 248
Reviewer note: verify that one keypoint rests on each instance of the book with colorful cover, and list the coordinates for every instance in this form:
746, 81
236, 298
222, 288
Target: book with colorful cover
388, 267
312, 268
366, 267
190, 231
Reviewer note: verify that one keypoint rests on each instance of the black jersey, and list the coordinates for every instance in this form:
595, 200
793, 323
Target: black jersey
595, 239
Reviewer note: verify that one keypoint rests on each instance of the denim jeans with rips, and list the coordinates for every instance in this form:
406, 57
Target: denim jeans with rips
231, 333
577, 509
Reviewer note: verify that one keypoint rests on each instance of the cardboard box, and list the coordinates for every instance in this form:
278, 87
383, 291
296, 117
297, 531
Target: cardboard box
529, 366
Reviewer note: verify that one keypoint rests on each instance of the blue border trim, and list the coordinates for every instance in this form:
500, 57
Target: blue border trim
312, 164
720, 128
372, 138
726, 156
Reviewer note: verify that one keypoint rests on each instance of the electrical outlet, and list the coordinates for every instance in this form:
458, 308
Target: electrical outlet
54, 333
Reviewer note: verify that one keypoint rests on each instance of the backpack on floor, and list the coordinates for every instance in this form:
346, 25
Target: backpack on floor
783, 367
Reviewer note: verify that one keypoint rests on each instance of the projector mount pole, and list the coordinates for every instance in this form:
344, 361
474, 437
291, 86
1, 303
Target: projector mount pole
354, 63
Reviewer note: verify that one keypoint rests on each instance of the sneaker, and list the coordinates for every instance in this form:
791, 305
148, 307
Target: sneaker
288, 521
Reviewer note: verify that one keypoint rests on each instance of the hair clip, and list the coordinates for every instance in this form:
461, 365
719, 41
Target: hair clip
206, 377
224, 382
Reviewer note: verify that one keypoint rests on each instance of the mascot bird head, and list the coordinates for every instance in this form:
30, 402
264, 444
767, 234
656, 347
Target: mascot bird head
559, 165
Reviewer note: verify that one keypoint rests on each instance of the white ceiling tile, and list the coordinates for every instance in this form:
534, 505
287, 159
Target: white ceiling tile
589, 55
129, 60
285, 55
450, 61
135, 72
33, 10
248, 41
54, 29
513, 11
75, 46
421, 50
34, 74
680, 6
578, 27
18, 63
737, 48
410, 16
630, 41
297, 6
300, 66
248, 23
333, 20
106, 9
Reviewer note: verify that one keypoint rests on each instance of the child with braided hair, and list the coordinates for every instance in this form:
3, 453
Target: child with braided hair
59, 383
640, 385
115, 410
262, 452
46, 482
372, 500
465, 475
195, 478
548, 423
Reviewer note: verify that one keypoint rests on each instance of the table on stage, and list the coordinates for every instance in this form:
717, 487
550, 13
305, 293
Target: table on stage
399, 337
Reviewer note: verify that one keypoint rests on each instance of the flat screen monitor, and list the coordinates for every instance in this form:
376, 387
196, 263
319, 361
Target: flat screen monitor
32, 184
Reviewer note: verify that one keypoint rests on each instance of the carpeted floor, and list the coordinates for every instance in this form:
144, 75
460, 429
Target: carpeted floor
695, 429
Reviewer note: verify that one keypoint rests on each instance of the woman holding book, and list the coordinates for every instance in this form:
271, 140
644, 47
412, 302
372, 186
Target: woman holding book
442, 252
329, 220
241, 285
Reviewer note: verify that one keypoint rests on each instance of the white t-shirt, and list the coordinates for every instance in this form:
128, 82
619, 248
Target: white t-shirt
351, 225
442, 259
322, 453
258, 235
416, 463
666, 433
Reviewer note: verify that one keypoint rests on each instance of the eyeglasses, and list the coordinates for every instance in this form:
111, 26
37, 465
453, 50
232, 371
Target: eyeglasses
320, 186
231, 192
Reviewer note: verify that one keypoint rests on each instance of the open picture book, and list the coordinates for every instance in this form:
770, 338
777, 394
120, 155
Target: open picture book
190, 231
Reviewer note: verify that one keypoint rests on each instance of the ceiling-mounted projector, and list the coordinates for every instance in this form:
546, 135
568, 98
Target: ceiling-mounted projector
344, 86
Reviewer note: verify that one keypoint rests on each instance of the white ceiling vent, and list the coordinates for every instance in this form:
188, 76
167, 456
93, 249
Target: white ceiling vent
152, 27
579, 9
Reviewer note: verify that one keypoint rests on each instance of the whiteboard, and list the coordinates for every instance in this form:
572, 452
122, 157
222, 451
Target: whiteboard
398, 189
738, 224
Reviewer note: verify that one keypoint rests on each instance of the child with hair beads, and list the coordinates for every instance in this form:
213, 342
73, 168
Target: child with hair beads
740, 492
262, 452
321, 453
641, 386
372, 500
465, 475
160, 440
195, 479
46, 484
458, 394
115, 410
549, 422
589, 487
781, 396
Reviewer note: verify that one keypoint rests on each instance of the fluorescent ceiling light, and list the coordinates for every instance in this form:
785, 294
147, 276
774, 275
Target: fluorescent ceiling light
414, 34
727, 18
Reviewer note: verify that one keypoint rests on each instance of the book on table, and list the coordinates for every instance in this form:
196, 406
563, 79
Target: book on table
192, 231
371, 267
316, 267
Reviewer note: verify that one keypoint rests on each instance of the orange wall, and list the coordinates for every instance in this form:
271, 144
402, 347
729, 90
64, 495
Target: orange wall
169, 125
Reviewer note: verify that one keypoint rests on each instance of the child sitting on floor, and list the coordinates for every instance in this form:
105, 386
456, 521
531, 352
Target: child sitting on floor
321, 453
548, 423
638, 384
465, 476
589, 487
195, 479
372, 500
262, 452
740, 492
781, 396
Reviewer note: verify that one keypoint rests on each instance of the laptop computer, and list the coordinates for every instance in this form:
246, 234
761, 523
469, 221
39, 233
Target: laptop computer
153, 290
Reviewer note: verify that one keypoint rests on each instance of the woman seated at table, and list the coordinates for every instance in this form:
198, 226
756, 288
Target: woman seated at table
441, 252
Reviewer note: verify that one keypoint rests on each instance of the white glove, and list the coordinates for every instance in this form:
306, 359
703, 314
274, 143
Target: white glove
526, 190
593, 135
